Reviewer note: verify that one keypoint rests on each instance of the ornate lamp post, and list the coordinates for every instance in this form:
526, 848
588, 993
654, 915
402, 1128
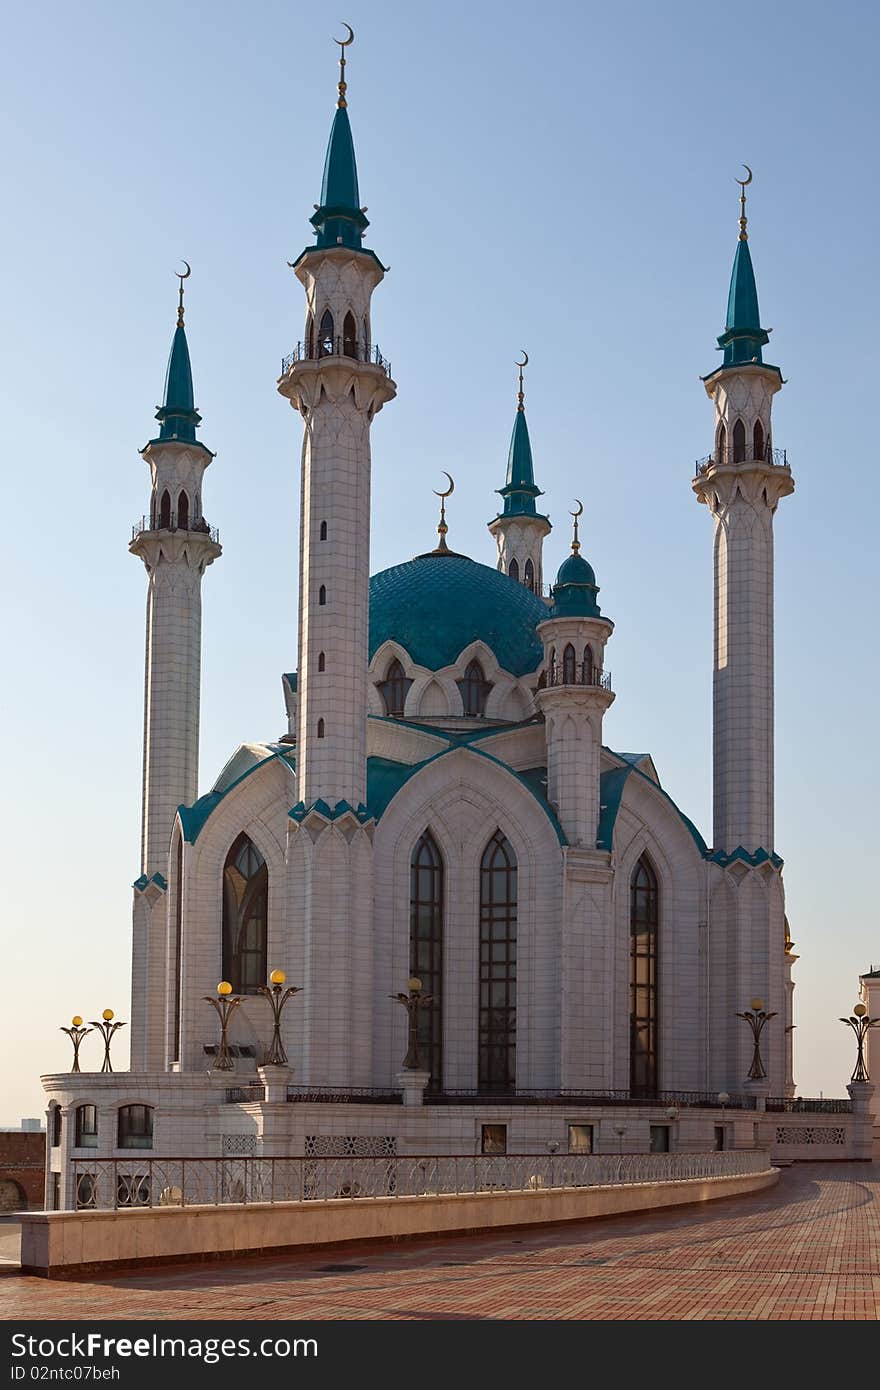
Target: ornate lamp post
757, 1018
860, 1023
277, 997
412, 1002
107, 1028
225, 1006
76, 1033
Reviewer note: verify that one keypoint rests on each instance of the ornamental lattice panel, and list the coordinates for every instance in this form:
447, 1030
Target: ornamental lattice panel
350, 1145
810, 1134
239, 1145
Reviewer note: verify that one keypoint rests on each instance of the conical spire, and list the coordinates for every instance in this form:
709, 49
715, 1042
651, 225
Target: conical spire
339, 220
177, 413
519, 491
743, 337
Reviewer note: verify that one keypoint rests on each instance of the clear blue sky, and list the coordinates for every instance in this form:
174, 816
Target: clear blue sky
556, 177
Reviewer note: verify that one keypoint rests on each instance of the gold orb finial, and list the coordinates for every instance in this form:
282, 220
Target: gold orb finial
277, 977
860, 1010
224, 988
107, 1015
76, 1021
756, 1004
414, 985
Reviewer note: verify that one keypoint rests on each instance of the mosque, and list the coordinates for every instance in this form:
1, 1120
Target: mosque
443, 821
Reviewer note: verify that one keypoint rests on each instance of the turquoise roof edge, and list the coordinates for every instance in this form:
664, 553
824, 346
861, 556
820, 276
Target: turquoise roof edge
193, 818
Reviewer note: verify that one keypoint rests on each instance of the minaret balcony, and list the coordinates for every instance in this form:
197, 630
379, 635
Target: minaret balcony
197, 527
335, 348
730, 458
579, 674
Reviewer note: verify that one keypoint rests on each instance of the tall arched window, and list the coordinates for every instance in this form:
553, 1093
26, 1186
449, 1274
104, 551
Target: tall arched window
349, 336
394, 689
426, 950
474, 689
569, 662
321, 661
739, 442
513, 571
320, 728
758, 440
644, 916
497, 1025
721, 453
588, 665
325, 336
530, 576
165, 511
322, 533
245, 917
183, 512
322, 595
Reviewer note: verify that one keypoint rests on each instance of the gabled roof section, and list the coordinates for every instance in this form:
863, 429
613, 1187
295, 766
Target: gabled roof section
245, 760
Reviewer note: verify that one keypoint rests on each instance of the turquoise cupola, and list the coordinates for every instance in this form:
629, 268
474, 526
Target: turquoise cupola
177, 414
575, 590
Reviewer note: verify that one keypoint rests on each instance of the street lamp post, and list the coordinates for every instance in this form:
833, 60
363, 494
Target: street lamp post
723, 1101
277, 997
412, 1002
76, 1033
225, 1006
107, 1028
757, 1018
861, 1024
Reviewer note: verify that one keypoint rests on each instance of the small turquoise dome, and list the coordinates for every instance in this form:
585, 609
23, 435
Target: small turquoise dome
436, 605
575, 590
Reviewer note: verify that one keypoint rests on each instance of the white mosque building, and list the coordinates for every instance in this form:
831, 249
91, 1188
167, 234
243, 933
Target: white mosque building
443, 807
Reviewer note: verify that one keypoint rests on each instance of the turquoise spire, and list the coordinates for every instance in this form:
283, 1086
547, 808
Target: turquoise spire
339, 220
519, 491
743, 338
177, 413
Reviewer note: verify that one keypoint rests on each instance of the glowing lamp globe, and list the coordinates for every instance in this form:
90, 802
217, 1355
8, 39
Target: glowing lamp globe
277, 977
107, 1015
414, 985
757, 1005
224, 988
860, 1010
76, 1021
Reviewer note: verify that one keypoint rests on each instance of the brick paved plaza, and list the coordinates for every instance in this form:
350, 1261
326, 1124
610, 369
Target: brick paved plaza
808, 1248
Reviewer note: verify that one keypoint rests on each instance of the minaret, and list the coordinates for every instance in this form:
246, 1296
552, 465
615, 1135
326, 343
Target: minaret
520, 529
176, 545
338, 380
741, 484
574, 691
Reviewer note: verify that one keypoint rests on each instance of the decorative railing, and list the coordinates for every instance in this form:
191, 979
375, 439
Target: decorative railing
107, 1184
706, 1100
775, 458
799, 1105
336, 347
198, 527
344, 1095
579, 673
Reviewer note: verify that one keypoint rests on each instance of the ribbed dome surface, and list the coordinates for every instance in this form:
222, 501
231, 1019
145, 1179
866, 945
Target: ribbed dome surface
436, 605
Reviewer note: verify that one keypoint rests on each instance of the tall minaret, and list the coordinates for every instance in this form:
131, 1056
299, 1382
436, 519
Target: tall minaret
176, 545
741, 484
520, 529
338, 380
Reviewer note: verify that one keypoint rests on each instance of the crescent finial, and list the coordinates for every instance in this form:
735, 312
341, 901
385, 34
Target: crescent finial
441, 547
580, 510
743, 185
525, 361
451, 488
575, 541
520, 365
181, 277
187, 273
343, 45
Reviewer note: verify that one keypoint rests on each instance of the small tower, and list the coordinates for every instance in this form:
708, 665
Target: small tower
741, 483
573, 694
176, 545
520, 529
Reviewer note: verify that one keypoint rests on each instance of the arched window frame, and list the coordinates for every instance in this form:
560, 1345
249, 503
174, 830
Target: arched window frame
426, 950
497, 969
349, 336
165, 511
759, 447
322, 596
474, 689
529, 576
320, 728
326, 345
739, 442
513, 569
644, 924
569, 665
322, 531
85, 1127
134, 1127
589, 666
245, 906
183, 511
721, 449
394, 689
322, 662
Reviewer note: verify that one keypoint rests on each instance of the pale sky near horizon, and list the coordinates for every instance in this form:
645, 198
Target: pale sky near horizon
559, 178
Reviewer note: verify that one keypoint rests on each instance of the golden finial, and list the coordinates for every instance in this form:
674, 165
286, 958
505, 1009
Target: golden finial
575, 543
442, 529
520, 365
185, 276
743, 185
343, 45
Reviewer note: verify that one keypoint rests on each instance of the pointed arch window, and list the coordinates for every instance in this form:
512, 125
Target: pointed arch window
530, 576
721, 452
569, 664
320, 728
739, 442
165, 511
394, 689
758, 440
325, 335
644, 918
183, 511
322, 533
322, 596
245, 916
588, 665
474, 689
426, 949
513, 571
320, 661
349, 336
498, 922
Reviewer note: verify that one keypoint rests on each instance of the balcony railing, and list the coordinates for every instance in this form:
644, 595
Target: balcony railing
774, 458
803, 1105
108, 1184
336, 347
367, 1095
580, 673
197, 527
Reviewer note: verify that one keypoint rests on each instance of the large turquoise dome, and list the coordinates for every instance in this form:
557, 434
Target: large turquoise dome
436, 605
